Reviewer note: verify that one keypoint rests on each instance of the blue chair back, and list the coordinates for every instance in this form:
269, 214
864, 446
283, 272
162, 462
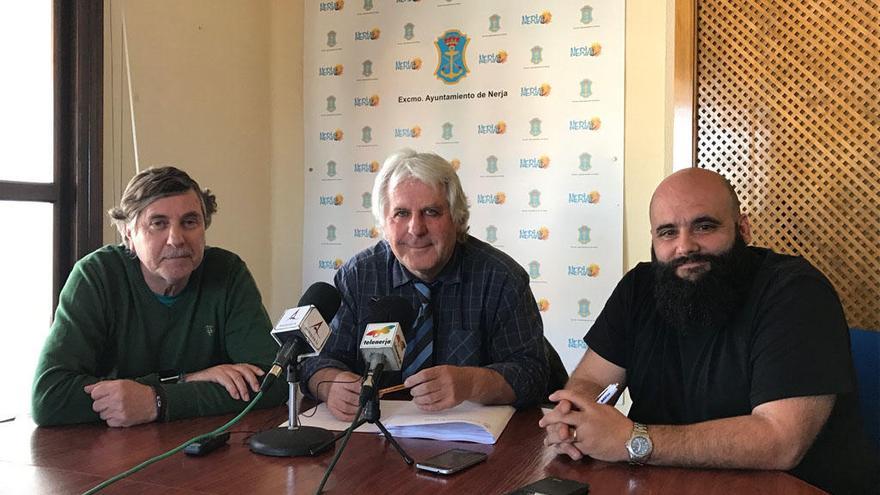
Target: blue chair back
866, 359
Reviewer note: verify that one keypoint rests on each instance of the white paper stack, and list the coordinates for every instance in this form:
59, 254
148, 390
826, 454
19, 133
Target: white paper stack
467, 422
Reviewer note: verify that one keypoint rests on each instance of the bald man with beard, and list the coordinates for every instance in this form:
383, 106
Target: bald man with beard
735, 356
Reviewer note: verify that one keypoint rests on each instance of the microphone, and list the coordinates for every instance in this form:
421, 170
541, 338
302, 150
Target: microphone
303, 330
383, 343
300, 330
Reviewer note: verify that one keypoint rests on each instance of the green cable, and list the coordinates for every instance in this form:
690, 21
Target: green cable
177, 449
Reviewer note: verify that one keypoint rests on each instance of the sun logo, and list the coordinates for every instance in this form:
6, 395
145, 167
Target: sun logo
379, 331
338, 200
595, 123
595, 49
337, 263
338, 69
543, 304
416, 63
374, 232
543, 233
594, 197
374, 33
416, 131
593, 270
545, 89
337, 135
544, 161
502, 56
340, 4
500, 127
374, 166
374, 100
456, 164
546, 16
500, 198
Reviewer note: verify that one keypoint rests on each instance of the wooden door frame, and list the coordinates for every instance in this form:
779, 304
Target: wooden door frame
684, 126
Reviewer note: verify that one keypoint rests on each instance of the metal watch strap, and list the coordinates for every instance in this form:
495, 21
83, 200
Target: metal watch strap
639, 430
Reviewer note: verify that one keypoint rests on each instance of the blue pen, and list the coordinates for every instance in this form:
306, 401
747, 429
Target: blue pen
607, 394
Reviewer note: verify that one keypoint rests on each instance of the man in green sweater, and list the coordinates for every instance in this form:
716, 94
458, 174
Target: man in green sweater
161, 328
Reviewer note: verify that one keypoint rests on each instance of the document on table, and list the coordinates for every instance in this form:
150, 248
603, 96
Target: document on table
468, 422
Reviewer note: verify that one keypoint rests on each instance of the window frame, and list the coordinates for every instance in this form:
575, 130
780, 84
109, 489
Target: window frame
76, 189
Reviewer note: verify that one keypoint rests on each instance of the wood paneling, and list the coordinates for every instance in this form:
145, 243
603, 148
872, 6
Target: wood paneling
788, 108
684, 85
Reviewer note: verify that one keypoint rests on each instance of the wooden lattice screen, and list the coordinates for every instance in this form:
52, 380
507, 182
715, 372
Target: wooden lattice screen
788, 108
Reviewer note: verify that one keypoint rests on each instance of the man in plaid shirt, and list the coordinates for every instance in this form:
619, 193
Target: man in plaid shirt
487, 342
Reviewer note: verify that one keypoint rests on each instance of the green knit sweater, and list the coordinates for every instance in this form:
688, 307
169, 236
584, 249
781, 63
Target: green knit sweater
110, 325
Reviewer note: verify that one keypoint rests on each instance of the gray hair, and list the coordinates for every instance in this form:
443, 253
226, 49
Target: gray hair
430, 169
152, 184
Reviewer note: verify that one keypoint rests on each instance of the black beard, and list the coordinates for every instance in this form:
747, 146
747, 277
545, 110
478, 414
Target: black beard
709, 302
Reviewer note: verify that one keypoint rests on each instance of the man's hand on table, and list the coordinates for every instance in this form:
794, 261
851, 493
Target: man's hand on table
340, 389
440, 387
578, 426
238, 379
123, 402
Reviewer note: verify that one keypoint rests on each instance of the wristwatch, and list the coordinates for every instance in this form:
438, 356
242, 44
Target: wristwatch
639, 444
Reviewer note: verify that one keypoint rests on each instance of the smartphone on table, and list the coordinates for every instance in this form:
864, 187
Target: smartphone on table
451, 461
553, 486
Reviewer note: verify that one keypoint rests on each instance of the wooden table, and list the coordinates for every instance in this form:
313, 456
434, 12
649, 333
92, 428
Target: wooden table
72, 459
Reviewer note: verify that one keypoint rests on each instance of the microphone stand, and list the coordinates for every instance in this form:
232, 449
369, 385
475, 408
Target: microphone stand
295, 440
368, 412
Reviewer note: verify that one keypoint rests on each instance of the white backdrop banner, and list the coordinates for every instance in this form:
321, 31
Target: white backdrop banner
525, 98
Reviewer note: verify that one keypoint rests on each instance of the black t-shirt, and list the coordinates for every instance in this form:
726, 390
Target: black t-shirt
790, 339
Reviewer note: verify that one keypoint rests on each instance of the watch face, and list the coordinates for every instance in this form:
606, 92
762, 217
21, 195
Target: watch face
640, 446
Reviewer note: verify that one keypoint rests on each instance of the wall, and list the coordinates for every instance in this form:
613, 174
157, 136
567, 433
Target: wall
648, 130
217, 88
287, 155
201, 98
